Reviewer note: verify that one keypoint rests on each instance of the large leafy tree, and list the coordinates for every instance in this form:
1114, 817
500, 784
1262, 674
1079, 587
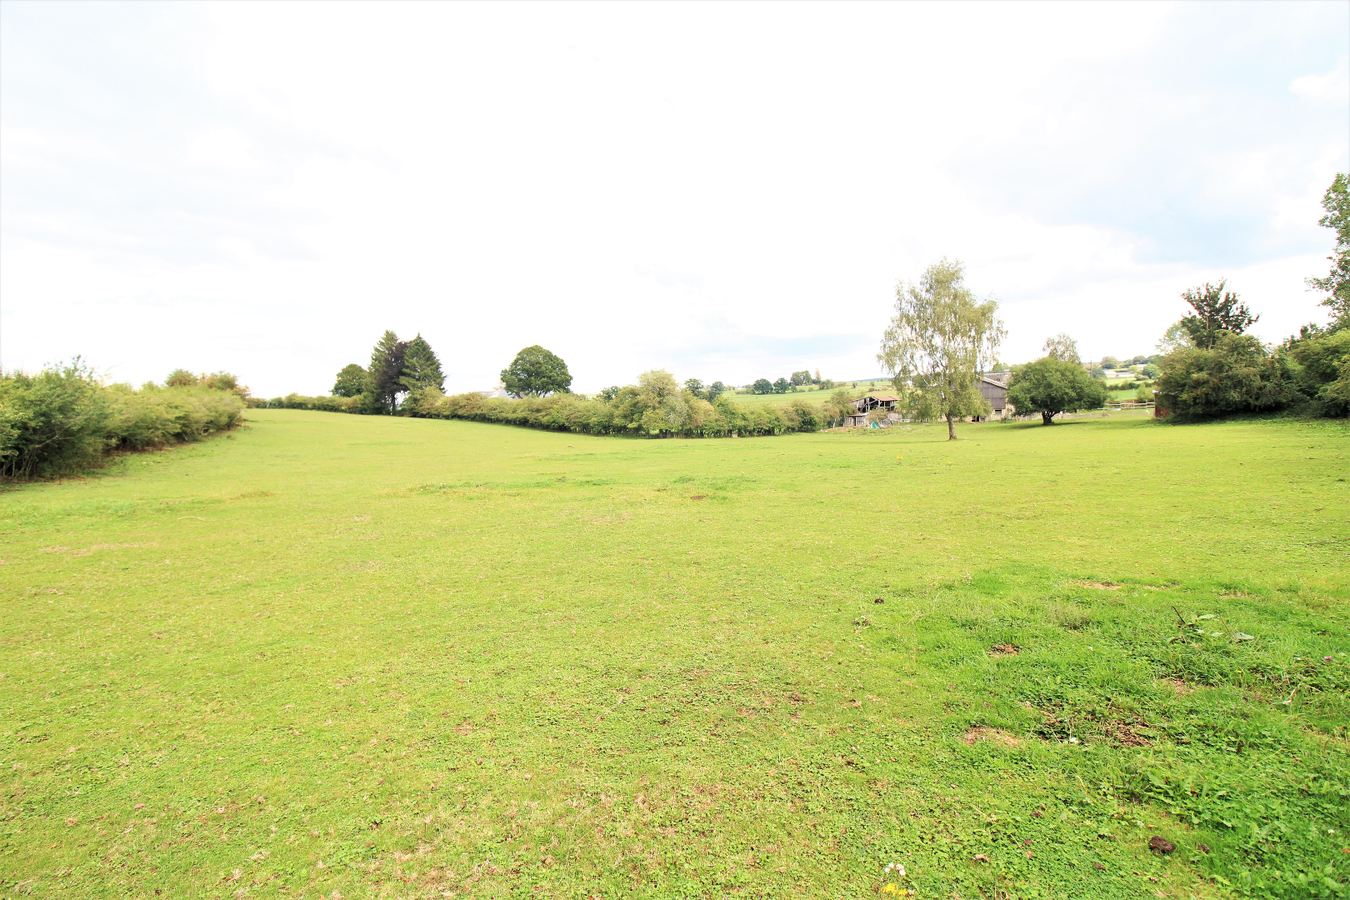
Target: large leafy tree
1051, 386
762, 386
1216, 310
352, 381
939, 341
1337, 284
421, 368
386, 370
535, 372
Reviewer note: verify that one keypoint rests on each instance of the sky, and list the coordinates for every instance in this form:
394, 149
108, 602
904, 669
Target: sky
727, 191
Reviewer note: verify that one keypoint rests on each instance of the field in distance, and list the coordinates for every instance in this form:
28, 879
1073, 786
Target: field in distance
337, 655
815, 396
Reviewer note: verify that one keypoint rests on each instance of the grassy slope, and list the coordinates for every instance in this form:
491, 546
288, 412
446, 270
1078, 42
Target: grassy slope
391, 657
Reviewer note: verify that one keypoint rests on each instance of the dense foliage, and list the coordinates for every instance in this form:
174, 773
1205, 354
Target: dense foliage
536, 372
63, 420
1053, 385
1237, 374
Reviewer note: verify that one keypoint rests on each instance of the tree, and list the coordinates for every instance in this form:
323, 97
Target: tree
1175, 338
352, 381
800, 378
1110, 362
535, 372
816, 378
1051, 386
715, 389
1216, 310
180, 378
1237, 374
386, 371
695, 387
781, 386
421, 368
1336, 202
608, 394
762, 386
939, 341
1061, 346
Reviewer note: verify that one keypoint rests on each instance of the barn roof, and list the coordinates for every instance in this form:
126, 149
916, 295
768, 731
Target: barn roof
884, 397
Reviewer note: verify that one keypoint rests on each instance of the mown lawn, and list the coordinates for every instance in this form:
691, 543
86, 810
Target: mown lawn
335, 656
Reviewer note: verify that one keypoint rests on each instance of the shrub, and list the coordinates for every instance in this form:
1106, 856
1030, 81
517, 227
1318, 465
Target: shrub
1236, 375
62, 420
1321, 370
53, 423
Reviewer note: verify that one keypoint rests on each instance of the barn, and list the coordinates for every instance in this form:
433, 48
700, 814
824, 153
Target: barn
864, 406
994, 389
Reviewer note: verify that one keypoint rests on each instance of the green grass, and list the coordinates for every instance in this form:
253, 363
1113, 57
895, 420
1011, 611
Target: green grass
371, 657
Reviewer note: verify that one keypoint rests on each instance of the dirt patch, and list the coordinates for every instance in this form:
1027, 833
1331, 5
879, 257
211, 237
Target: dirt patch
699, 497
991, 735
1099, 585
1126, 736
1004, 650
1181, 687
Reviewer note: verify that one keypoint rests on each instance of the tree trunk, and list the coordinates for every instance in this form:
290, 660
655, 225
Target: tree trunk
1047, 418
951, 428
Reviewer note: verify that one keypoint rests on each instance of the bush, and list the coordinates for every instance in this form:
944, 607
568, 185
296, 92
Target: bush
53, 423
62, 420
1321, 370
1236, 375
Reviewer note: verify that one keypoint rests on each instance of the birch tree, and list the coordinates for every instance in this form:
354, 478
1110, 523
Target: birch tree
940, 341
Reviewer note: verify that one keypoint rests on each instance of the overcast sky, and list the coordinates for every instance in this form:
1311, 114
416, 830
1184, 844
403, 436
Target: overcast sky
726, 191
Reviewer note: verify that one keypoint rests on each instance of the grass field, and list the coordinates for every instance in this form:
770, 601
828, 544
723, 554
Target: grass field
339, 656
813, 396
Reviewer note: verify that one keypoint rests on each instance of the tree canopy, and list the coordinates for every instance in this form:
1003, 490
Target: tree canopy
1216, 310
1337, 284
1051, 386
762, 386
421, 368
386, 370
1061, 346
352, 381
535, 372
939, 341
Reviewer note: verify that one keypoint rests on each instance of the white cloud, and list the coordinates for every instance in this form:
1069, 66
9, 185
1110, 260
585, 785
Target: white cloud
1329, 87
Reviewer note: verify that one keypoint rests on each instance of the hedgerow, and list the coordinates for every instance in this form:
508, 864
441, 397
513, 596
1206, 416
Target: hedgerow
63, 420
632, 411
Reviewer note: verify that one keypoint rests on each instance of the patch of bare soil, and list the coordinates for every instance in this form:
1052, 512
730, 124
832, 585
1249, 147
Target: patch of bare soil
1004, 650
992, 735
1180, 686
1099, 585
1126, 736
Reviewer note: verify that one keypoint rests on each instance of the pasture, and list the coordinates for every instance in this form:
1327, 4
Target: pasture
813, 396
345, 656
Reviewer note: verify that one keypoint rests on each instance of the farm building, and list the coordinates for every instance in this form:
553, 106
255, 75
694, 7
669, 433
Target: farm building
994, 389
863, 406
